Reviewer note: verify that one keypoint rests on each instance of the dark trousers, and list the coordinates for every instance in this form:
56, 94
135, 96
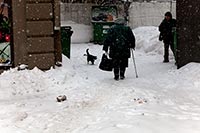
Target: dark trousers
166, 50
120, 67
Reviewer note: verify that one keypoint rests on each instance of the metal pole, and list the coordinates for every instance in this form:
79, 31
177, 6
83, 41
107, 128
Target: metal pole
134, 63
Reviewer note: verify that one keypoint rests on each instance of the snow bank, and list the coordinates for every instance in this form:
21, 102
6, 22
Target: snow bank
147, 39
33, 82
19, 83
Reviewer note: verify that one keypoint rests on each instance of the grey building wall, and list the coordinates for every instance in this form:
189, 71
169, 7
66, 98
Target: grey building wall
149, 13
140, 13
80, 12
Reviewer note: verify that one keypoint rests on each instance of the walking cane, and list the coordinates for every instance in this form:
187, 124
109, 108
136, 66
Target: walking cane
134, 63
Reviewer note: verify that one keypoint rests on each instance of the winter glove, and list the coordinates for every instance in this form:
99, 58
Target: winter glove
132, 48
106, 53
160, 37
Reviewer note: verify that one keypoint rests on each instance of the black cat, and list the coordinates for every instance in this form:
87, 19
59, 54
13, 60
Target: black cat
90, 58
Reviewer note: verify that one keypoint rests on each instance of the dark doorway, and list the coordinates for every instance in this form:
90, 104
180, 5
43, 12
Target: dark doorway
188, 29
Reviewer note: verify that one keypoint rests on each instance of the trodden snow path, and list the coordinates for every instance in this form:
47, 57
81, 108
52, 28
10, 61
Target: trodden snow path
158, 101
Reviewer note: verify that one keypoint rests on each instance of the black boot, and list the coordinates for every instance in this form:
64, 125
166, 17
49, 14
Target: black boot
122, 72
116, 77
116, 73
122, 77
165, 60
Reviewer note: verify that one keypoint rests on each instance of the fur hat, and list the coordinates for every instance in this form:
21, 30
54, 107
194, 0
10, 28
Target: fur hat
120, 21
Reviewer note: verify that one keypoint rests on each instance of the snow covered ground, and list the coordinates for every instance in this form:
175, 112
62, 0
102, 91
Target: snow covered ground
162, 100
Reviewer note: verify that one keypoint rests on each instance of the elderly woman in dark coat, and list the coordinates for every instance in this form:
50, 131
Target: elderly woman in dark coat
118, 42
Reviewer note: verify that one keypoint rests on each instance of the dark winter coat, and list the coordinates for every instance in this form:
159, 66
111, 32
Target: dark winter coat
119, 40
165, 29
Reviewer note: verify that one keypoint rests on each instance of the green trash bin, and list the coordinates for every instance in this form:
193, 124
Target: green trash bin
66, 34
175, 41
102, 18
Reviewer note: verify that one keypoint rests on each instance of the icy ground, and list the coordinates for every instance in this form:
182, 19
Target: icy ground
162, 100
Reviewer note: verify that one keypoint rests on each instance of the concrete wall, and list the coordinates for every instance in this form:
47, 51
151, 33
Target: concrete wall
79, 12
141, 13
149, 13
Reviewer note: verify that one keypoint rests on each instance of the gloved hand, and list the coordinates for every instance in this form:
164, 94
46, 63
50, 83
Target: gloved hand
133, 48
106, 53
160, 37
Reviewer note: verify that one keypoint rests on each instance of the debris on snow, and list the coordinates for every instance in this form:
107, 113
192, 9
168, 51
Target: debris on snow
22, 67
61, 98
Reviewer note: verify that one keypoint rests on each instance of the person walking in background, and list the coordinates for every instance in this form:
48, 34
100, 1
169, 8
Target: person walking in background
117, 44
166, 35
